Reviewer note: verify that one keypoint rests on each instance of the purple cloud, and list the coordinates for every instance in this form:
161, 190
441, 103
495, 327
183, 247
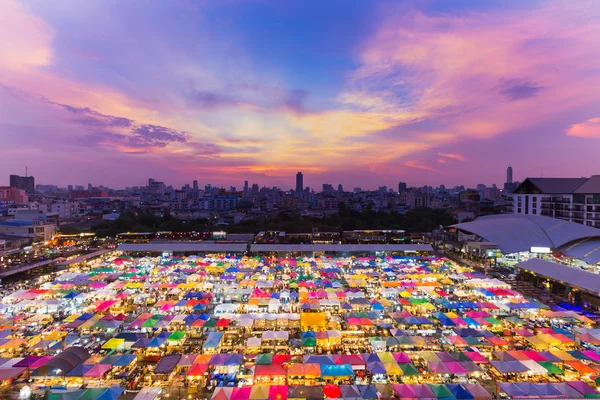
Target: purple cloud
514, 89
294, 100
212, 100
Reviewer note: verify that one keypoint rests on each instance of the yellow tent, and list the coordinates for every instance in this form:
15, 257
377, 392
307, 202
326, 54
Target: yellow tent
113, 343
72, 317
259, 392
309, 321
55, 335
392, 368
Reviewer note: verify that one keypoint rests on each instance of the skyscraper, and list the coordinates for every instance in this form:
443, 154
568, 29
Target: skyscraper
26, 183
401, 187
509, 176
299, 182
195, 186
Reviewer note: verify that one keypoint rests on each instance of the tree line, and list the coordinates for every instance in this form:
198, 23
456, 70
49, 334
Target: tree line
417, 220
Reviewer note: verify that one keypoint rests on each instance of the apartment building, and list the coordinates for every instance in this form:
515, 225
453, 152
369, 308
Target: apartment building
570, 199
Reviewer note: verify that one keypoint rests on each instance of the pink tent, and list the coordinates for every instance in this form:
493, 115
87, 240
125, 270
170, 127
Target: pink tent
278, 392
405, 391
476, 356
97, 371
455, 368
591, 354
401, 358
534, 355
241, 393
106, 305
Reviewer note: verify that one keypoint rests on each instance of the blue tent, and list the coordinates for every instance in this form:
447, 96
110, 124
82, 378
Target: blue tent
337, 370
460, 392
80, 370
376, 367
125, 360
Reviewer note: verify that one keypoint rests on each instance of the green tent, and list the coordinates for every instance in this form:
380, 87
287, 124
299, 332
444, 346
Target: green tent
409, 369
176, 336
211, 323
552, 369
309, 342
441, 391
493, 321
153, 320
264, 359
460, 356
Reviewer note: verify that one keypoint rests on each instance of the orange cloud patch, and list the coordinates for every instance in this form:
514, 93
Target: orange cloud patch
586, 129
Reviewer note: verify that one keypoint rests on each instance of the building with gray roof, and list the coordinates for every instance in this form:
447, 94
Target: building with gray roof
569, 199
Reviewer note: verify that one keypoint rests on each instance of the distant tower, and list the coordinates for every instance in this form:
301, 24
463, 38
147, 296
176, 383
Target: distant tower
195, 185
299, 182
509, 177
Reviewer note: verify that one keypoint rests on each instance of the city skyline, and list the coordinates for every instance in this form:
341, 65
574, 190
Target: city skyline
426, 93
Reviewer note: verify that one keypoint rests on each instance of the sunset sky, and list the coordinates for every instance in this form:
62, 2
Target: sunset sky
363, 93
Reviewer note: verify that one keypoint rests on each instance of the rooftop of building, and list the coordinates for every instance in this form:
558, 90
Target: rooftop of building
518, 232
561, 185
568, 275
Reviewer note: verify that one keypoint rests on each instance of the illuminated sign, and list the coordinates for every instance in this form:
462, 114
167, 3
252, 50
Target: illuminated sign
542, 250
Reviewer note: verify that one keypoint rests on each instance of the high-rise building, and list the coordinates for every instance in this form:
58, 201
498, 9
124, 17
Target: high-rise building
402, 187
299, 182
90, 187
327, 187
195, 185
26, 183
510, 185
340, 188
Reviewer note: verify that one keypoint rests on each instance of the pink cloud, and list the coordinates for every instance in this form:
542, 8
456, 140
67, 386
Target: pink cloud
587, 129
419, 165
496, 72
454, 156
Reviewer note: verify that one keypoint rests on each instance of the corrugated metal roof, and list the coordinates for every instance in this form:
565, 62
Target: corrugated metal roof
341, 247
568, 275
586, 249
237, 247
184, 246
519, 232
